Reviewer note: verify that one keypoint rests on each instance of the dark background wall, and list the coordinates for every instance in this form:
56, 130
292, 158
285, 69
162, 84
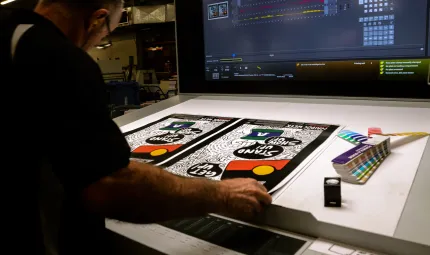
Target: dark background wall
30, 4
141, 37
156, 35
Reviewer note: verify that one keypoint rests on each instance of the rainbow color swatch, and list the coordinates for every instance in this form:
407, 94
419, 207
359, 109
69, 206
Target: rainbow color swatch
360, 163
352, 137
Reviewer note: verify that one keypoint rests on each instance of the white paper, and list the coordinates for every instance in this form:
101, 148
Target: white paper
331, 248
377, 205
374, 207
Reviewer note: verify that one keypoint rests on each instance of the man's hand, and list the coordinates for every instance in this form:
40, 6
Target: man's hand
144, 193
243, 198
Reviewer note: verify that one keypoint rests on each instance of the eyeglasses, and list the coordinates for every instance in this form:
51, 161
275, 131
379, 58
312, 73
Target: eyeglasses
109, 31
109, 43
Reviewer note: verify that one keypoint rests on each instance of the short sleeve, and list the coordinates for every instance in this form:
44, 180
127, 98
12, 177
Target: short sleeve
91, 145
74, 132
92, 149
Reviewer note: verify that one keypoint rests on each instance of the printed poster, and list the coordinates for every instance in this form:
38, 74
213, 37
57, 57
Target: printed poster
268, 151
171, 135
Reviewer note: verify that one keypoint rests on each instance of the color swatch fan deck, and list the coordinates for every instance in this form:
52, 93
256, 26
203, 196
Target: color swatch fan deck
360, 163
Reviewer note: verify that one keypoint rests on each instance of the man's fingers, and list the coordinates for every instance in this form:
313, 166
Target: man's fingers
263, 197
257, 184
255, 205
246, 197
261, 186
261, 194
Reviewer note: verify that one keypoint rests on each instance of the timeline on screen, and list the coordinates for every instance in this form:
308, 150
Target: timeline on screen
250, 39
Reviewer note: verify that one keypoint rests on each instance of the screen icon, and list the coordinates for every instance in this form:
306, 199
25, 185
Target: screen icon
218, 11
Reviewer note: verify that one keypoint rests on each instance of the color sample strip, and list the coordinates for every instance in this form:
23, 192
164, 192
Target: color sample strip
374, 131
364, 167
352, 137
358, 165
374, 158
369, 158
407, 134
368, 171
371, 171
378, 131
369, 166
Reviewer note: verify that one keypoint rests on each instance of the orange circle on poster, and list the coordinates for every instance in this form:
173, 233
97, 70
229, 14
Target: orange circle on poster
158, 152
263, 170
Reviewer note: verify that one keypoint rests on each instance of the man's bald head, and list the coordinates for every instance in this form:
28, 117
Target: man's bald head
84, 22
85, 5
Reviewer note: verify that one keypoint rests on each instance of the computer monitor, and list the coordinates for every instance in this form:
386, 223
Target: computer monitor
307, 47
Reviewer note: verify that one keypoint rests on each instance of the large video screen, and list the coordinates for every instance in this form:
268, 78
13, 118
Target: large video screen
316, 39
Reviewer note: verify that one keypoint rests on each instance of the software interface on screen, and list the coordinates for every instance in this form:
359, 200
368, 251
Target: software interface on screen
316, 39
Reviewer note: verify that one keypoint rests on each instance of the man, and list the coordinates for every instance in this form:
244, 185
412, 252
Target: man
67, 140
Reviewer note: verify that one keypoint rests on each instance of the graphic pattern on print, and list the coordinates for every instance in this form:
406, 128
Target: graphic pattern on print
221, 151
139, 138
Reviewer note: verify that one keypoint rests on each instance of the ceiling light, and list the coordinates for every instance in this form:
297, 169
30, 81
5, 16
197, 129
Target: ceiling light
6, 2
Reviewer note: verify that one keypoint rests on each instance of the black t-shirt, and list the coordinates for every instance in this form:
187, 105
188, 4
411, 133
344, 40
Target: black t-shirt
58, 136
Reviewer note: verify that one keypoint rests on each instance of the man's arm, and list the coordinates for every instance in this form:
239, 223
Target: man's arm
142, 193
94, 160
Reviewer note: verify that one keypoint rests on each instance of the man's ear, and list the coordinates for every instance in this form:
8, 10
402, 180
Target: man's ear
98, 17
